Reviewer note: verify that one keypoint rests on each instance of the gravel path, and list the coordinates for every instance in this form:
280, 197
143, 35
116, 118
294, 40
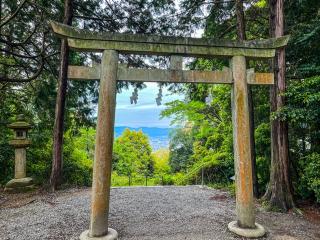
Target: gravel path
143, 213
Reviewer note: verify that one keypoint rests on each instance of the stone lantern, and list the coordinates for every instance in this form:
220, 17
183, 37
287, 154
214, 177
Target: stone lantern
20, 142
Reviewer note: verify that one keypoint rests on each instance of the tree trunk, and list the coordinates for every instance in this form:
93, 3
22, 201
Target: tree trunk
55, 178
241, 34
279, 192
241, 28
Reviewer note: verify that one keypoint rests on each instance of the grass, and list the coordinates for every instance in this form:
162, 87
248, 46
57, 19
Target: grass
137, 180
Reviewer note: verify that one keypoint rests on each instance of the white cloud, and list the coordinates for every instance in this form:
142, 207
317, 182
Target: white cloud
145, 113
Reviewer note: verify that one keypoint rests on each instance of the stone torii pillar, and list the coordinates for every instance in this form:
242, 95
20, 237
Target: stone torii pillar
103, 151
108, 73
245, 224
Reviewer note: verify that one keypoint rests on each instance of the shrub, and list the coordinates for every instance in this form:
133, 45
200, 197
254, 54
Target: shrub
179, 179
309, 182
263, 172
165, 179
78, 159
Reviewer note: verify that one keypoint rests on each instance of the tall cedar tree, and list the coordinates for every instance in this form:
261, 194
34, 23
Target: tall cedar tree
279, 191
241, 34
57, 160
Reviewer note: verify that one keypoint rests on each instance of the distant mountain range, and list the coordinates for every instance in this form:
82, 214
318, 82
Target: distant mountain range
159, 137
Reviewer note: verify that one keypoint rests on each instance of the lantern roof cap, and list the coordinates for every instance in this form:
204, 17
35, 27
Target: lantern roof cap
20, 123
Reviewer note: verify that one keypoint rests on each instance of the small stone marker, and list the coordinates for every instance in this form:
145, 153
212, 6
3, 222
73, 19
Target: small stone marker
20, 183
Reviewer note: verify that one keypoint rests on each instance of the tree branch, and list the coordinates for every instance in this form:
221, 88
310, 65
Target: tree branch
9, 18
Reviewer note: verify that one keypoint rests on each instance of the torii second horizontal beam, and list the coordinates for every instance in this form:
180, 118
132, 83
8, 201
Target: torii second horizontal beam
170, 76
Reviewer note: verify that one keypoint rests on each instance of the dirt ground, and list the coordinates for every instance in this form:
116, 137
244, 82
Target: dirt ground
144, 213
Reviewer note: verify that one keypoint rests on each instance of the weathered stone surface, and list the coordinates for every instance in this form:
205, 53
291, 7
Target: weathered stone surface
164, 45
259, 78
241, 143
20, 185
167, 49
256, 232
20, 142
154, 75
104, 143
71, 32
21, 182
159, 75
84, 73
20, 123
112, 235
20, 163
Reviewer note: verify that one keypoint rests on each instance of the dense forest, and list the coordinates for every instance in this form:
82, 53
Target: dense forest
33, 68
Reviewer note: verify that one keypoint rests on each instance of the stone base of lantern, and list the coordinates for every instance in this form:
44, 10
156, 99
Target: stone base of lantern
112, 235
256, 232
17, 185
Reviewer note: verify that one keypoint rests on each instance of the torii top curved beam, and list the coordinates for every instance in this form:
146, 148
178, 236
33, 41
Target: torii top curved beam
164, 45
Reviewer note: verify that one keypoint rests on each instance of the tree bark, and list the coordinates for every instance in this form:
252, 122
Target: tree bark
241, 34
57, 161
241, 28
279, 191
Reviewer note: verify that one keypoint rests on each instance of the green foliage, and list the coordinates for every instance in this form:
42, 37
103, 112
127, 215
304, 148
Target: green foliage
232, 189
181, 150
212, 133
205, 143
309, 176
167, 179
179, 178
263, 153
6, 161
132, 154
217, 168
303, 100
303, 21
162, 169
136, 180
27, 41
303, 114
78, 157
261, 3
119, 180
39, 159
161, 161
38, 154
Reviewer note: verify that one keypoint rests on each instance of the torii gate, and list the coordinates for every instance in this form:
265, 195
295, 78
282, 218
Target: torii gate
111, 44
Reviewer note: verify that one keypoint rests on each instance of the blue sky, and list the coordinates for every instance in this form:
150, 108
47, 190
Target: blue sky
145, 113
